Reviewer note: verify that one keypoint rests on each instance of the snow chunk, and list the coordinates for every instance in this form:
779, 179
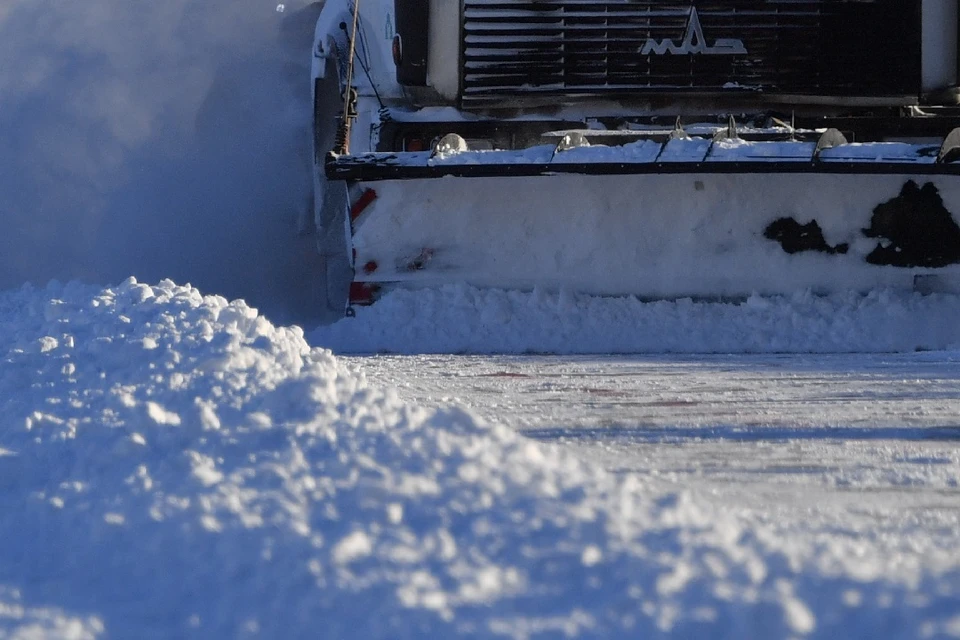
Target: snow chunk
32, 622
591, 556
489, 583
798, 615
395, 513
208, 414
674, 581
161, 416
353, 547
204, 469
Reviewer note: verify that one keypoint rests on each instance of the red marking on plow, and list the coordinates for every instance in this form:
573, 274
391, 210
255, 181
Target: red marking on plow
364, 201
362, 294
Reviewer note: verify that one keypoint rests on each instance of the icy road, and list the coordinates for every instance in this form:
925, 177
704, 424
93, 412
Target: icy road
860, 450
844, 466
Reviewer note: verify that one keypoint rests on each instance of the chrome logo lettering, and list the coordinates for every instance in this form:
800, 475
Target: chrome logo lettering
694, 42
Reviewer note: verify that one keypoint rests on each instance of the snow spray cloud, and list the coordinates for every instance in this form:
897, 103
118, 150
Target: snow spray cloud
157, 139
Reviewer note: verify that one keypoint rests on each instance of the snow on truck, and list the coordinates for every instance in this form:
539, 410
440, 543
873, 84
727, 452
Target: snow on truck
656, 148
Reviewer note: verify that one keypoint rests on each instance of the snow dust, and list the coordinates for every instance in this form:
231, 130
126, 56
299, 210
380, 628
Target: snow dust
159, 139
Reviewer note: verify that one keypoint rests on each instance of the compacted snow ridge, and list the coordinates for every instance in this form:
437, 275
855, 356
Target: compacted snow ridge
463, 319
173, 465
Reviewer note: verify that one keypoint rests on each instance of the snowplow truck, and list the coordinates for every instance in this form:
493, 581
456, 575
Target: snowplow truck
663, 149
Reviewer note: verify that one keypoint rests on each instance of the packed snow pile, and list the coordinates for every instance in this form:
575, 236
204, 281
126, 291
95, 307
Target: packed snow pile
462, 319
175, 466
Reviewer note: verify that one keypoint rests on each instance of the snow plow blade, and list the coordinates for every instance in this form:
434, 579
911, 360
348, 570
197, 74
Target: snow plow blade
717, 217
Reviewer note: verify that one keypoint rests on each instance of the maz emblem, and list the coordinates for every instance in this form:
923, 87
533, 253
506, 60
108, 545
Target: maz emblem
694, 42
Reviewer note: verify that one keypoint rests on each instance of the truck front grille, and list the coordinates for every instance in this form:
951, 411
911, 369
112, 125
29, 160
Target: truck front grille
522, 49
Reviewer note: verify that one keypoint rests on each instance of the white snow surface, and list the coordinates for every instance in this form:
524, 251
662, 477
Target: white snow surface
462, 319
173, 465
177, 466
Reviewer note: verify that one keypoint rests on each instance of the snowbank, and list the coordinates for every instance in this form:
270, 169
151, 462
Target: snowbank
459, 319
176, 466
